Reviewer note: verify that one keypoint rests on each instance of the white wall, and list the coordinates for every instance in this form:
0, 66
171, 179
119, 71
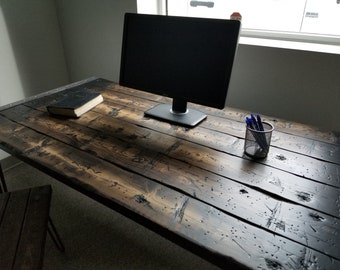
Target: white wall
31, 52
295, 85
31, 43
92, 35
48, 43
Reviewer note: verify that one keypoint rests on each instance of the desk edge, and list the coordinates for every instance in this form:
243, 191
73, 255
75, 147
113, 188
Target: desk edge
46, 93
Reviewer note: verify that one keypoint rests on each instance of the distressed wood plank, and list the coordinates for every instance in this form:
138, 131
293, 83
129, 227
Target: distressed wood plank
326, 150
302, 165
299, 164
218, 121
280, 183
234, 114
193, 186
208, 227
306, 226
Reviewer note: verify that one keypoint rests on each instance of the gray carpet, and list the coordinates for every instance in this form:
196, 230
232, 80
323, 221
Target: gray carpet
96, 237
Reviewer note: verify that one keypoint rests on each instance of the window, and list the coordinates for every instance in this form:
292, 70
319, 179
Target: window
312, 21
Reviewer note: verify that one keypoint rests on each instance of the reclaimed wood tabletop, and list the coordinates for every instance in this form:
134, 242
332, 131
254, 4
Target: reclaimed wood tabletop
194, 186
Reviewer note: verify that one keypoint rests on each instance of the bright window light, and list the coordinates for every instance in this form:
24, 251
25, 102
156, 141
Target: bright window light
312, 21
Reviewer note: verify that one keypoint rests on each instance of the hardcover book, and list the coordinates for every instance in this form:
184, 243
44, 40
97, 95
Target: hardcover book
75, 104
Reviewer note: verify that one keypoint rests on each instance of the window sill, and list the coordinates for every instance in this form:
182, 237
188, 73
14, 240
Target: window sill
288, 44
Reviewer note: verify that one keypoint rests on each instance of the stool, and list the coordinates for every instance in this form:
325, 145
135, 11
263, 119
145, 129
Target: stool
51, 228
23, 226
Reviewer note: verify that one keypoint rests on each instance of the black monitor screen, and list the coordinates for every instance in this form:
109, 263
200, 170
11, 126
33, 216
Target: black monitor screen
187, 59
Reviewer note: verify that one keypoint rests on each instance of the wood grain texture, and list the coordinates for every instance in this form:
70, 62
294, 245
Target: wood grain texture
192, 185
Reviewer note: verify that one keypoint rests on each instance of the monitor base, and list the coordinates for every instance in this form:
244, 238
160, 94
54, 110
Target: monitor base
164, 112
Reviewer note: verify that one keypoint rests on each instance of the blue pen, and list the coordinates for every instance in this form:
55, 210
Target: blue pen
261, 140
254, 122
260, 128
249, 123
259, 122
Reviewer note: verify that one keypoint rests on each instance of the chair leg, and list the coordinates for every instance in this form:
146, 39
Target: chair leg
3, 186
52, 231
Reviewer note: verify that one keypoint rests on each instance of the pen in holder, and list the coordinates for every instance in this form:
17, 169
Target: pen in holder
258, 137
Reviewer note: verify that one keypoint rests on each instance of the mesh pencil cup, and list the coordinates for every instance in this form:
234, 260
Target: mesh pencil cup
257, 142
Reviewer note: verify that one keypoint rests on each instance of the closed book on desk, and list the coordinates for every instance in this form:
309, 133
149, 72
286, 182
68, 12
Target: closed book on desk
75, 104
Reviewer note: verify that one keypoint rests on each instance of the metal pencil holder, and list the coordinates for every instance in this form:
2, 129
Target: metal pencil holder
257, 142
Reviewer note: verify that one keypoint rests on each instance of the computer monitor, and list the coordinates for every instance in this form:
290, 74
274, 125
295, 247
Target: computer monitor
184, 58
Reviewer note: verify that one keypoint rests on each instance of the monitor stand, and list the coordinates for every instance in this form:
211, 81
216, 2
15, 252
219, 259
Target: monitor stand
177, 113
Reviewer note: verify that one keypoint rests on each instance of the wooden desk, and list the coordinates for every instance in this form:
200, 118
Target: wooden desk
193, 186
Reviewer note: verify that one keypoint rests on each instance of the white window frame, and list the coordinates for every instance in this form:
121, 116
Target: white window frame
288, 40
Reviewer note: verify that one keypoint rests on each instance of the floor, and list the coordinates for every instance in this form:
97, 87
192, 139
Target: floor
96, 237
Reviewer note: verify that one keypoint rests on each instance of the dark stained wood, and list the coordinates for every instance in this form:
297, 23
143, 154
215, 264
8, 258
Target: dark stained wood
238, 115
285, 160
194, 186
220, 122
284, 217
23, 227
